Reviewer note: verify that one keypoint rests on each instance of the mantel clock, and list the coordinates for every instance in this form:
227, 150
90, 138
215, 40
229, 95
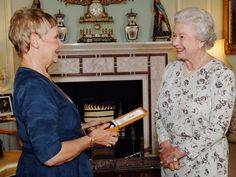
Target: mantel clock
95, 13
95, 24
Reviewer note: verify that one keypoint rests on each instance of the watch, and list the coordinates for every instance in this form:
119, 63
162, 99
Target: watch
96, 9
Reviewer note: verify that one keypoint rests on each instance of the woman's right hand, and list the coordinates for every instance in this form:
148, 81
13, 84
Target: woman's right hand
172, 165
165, 144
102, 136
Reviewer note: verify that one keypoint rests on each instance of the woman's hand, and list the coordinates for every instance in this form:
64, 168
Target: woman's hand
169, 157
165, 144
92, 124
173, 166
104, 137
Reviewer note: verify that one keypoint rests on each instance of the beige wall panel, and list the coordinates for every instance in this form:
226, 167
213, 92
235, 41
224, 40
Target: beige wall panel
6, 58
2, 34
212, 6
190, 3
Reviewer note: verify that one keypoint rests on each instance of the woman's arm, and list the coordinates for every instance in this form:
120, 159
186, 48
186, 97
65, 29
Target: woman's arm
71, 149
162, 134
39, 127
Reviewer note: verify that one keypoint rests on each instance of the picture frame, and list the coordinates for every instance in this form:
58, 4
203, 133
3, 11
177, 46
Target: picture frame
229, 26
6, 110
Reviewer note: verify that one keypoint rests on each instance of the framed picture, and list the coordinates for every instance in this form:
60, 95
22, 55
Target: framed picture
229, 26
6, 110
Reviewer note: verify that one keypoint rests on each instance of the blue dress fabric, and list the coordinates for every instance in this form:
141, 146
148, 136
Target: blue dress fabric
45, 118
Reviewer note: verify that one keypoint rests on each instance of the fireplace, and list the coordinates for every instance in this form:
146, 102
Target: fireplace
132, 69
124, 96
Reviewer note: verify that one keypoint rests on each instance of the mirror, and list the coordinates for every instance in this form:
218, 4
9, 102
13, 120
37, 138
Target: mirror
229, 26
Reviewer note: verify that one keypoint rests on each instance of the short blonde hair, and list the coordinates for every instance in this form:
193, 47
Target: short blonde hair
203, 22
23, 23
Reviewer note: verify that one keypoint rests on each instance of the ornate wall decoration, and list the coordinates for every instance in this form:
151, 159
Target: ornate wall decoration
161, 29
88, 2
96, 25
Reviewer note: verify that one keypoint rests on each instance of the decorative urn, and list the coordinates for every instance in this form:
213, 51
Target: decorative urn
132, 29
63, 30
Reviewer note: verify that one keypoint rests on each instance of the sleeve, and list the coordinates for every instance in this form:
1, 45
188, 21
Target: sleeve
161, 131
162, 134
40, 119
222, 103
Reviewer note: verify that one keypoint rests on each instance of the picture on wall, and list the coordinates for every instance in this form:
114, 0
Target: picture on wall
6, 110
229, 26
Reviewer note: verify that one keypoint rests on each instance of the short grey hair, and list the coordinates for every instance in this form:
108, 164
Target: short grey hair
203, 22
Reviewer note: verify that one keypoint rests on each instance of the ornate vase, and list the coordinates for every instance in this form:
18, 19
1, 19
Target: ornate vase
132, 29
63, 30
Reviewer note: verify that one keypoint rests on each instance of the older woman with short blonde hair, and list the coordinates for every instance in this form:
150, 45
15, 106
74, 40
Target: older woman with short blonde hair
48, 122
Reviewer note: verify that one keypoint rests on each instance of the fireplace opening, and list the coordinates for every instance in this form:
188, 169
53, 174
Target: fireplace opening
124, 96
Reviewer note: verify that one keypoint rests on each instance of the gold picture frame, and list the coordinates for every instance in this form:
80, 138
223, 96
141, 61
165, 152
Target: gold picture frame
229, 26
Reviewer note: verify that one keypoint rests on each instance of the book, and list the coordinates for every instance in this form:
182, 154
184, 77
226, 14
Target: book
127, 119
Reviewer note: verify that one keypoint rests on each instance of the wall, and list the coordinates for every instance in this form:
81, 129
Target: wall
145, 16
6, 61
118, 11
144, 9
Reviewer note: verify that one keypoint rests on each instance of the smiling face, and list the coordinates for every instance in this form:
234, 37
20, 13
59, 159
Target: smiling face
49, 45
184, 39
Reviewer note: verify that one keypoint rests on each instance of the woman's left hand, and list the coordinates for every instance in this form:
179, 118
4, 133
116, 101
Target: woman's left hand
170, 155
93, 124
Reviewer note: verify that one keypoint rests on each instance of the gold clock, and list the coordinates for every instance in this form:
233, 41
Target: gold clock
95, 24
96, 9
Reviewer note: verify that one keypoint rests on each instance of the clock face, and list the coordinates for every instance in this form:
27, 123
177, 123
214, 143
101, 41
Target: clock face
96, 9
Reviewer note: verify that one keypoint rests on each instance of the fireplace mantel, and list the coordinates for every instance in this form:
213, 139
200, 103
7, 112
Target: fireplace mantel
116, 48
115, 62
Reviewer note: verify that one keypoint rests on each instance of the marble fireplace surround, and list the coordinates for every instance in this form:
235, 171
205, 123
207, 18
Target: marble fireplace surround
115, 62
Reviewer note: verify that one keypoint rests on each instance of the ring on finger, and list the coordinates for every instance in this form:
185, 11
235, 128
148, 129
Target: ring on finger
173, 154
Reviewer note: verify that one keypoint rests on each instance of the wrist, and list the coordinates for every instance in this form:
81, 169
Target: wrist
165, 144
91, 141
179, 153
84, 126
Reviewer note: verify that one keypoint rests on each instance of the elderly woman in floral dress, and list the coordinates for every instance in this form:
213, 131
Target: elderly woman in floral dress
196, 101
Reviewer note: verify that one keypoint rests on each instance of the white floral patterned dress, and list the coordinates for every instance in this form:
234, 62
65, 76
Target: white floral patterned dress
194, 112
